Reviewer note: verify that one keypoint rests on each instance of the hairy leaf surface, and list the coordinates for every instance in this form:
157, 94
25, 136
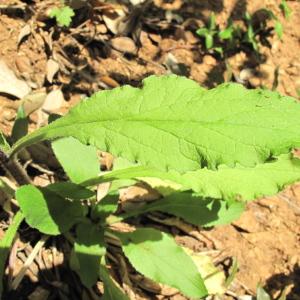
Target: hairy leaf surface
172, 123
157, 256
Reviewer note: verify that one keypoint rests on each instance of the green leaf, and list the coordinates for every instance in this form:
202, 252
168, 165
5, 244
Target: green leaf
6, 243
194, 209
287, 11
244, 183
227, 33
212, 22
225, 183
70, 190
279, 29
4, 145
89, 248
20, 127
107, 206
63, 15
47, 211
111, 290
158, 257
261, 294
209, 41
172, 123
232, 272
79, 161
202, 32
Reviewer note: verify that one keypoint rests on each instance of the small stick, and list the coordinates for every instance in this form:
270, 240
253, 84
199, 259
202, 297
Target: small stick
28, 262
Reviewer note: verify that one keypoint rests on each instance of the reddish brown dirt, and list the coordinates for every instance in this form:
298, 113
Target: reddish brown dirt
266, 240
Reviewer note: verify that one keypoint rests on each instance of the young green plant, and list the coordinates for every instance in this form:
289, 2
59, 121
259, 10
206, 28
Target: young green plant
211, 150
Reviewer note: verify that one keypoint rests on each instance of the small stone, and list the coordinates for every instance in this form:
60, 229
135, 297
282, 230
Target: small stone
254, 81
209, 60
267, 70
124, 44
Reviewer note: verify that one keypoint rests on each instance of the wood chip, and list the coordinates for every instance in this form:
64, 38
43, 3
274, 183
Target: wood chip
52, 69
124, 44
24, 32
10, 84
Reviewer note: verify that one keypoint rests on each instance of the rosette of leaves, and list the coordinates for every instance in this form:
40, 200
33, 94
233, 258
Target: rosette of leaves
213, 149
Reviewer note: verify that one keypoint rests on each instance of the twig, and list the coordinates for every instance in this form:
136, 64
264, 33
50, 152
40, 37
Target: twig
28, 262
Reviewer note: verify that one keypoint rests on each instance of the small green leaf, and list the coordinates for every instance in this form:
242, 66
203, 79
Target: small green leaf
212, 22
63, 15
79, 161
232, 272
107, 206
261, 294
47, 211
209, 41
194, 209
70, 190
20, 127
158, 257
172, 123
89, 248
4, 145
287, 11
202, 32
6, 243
111, 290
227, 33
279, 29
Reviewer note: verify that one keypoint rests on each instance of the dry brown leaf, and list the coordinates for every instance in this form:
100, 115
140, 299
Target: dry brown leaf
24, 32
54, 100
34, 101
124, 44
174, 5
52, 69
113, 20
10, 84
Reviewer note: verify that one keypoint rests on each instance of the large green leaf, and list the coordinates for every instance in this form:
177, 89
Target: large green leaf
158, 257
193, 209
244, 183
111, 290
89, 248
6, 243
172, 123
79, 161
47, 211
